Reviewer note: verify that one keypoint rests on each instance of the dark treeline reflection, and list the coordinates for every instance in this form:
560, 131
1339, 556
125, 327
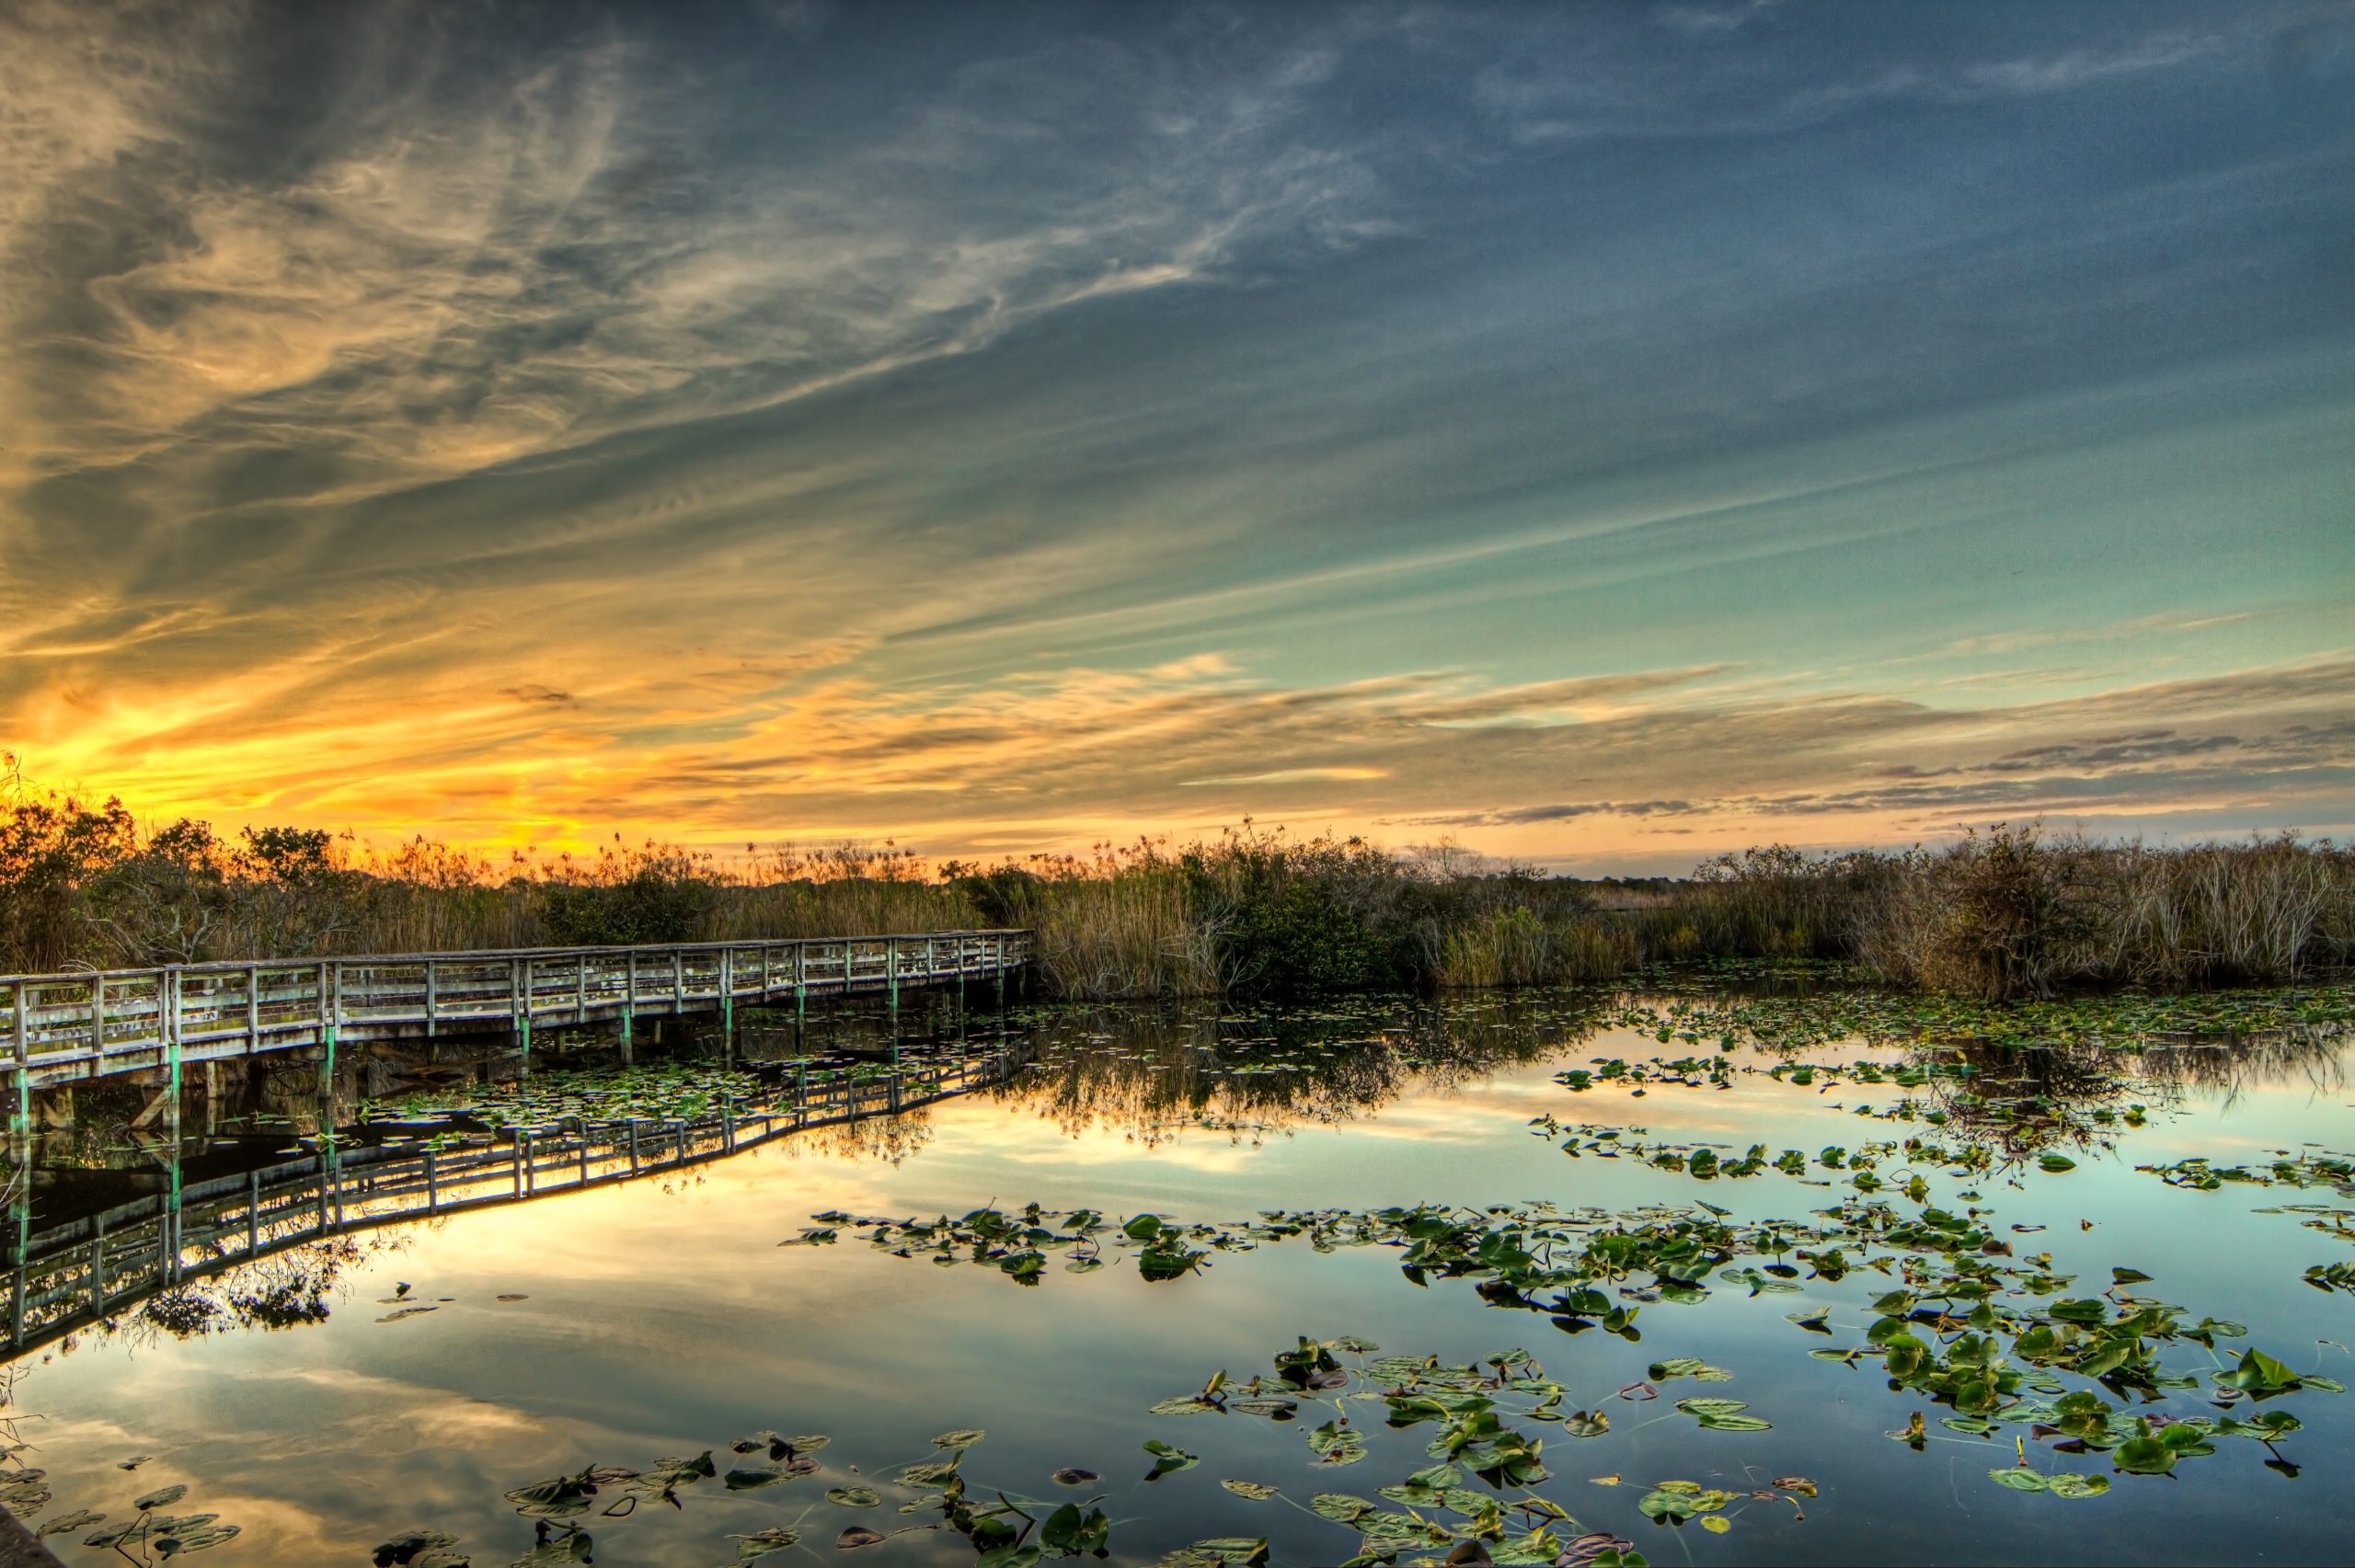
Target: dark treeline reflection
240, 1213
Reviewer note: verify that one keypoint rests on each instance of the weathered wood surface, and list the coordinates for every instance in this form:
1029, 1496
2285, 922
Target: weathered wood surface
61, 1029
66, 1276
19, 1550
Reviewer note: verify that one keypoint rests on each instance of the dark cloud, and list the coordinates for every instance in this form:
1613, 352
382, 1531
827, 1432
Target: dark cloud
1550, 420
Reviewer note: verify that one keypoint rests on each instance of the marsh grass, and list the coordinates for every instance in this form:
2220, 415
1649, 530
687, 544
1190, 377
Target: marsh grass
2005, 913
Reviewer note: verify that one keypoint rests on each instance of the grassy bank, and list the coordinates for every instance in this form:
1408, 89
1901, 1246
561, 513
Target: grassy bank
2008, 913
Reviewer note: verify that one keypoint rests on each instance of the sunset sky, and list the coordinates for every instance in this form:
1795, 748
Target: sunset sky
1601, 434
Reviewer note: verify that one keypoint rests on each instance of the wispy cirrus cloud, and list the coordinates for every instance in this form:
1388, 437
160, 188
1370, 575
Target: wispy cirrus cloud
523, 422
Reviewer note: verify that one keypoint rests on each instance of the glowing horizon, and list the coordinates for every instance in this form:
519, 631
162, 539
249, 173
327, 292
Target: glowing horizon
1602, 436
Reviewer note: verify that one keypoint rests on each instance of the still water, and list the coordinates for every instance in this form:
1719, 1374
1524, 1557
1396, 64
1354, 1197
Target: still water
660, 1317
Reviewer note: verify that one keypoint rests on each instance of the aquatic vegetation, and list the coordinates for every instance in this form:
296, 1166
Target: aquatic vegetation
2200, 1175
2128, 1020
1478, 1501
570, 1513
147, 1536
2080, 1376
1968, 1325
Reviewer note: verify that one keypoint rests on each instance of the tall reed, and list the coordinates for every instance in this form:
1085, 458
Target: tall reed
2008, 912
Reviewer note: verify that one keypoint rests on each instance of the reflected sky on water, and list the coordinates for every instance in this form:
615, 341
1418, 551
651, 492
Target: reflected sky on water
663, 1318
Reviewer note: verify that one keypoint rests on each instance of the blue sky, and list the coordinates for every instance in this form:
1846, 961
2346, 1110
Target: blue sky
1601, 434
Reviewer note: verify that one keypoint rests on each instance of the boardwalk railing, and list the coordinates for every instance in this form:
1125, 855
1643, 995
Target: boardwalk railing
58, 1028
67, 1276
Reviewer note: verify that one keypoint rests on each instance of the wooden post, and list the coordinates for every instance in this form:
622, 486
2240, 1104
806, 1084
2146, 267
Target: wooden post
98, 1262
98, 1022
173, 1215
678, 982
580, 988
253, 1009
726, 999
432, 1182
432, 995
173, 1088
633, 1146
20, 1123
253, 1213
519, 1014
629, 1006
326, 1019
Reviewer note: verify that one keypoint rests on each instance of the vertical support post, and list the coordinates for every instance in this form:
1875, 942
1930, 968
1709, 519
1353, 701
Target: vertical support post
892, 968
726, 1001
519, 1140
800, 982
98, 1022
633, 1146
324, 1147
173, 1214
432, 995
253, 1213
21, 1118
173, 1088
98, 1262
583, 1128
727, 1126
253, 1009
20, 1205
678, 982
326, 1024
629, 1006
432, 1180
519, 1012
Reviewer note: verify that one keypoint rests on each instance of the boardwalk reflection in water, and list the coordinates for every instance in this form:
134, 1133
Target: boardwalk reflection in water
432, 1366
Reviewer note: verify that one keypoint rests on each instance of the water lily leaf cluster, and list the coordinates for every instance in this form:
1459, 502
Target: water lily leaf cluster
1477, 1500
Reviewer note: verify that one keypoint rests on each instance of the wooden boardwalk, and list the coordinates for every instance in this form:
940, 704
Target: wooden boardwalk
67, 1276
62, 1028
